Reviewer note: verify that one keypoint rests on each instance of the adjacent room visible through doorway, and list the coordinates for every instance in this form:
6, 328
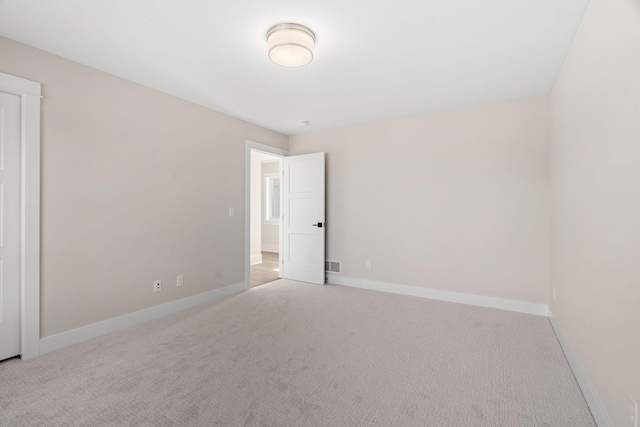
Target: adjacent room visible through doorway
265, 208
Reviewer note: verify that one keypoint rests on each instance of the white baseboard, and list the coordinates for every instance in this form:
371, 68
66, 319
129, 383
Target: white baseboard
270, 248
85, 333
470, 299
255, 259
597, 410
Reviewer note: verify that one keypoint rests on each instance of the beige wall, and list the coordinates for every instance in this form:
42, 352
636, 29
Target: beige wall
595, 137
456, 200
136, 186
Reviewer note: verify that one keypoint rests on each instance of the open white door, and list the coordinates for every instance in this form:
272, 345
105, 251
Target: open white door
303, 218
10, 106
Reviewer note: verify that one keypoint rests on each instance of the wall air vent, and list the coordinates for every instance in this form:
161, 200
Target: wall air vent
332, 266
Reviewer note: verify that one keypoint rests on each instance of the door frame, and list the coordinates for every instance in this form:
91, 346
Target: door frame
267, 149
30, 95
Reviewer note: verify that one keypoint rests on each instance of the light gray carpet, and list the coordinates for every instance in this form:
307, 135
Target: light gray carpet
293, 354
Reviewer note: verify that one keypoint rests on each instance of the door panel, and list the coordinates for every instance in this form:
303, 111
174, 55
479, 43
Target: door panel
9, 225
303, 222
306, 252
301, 211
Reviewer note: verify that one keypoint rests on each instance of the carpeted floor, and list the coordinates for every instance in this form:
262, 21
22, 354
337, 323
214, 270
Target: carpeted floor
293, 354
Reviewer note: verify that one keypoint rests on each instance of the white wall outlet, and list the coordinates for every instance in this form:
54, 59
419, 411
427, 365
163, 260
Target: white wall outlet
367, 265
180, 280
157, 285
633, 412
232, 211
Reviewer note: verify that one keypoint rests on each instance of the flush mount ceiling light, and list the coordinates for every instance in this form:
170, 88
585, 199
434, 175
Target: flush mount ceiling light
290, 45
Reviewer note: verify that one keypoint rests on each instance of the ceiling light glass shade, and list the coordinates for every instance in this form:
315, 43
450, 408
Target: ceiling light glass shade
291, 45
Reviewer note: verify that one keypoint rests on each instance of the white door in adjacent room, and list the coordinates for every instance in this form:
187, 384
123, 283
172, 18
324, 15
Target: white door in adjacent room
10, 105
304, 218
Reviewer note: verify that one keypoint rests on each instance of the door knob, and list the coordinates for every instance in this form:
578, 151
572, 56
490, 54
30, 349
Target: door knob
319, 225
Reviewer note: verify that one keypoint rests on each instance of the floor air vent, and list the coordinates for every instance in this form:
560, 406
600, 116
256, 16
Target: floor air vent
332, 266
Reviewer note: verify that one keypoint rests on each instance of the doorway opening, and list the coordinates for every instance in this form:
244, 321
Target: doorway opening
301, 216
260, 251
265, 227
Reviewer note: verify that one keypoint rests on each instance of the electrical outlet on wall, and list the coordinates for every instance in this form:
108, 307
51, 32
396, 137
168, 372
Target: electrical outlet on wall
157, 285
633, 412
367, 265
180, 280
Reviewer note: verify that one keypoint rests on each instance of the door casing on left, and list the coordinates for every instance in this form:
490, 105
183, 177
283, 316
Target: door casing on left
29, 93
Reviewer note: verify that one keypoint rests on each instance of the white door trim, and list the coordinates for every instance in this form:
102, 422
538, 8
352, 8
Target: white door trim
253, 146
29, 93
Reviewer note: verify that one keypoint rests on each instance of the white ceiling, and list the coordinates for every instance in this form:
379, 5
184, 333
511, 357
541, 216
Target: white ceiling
374, 59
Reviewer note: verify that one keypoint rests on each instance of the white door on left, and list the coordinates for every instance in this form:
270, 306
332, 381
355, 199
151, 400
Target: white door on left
10, 105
